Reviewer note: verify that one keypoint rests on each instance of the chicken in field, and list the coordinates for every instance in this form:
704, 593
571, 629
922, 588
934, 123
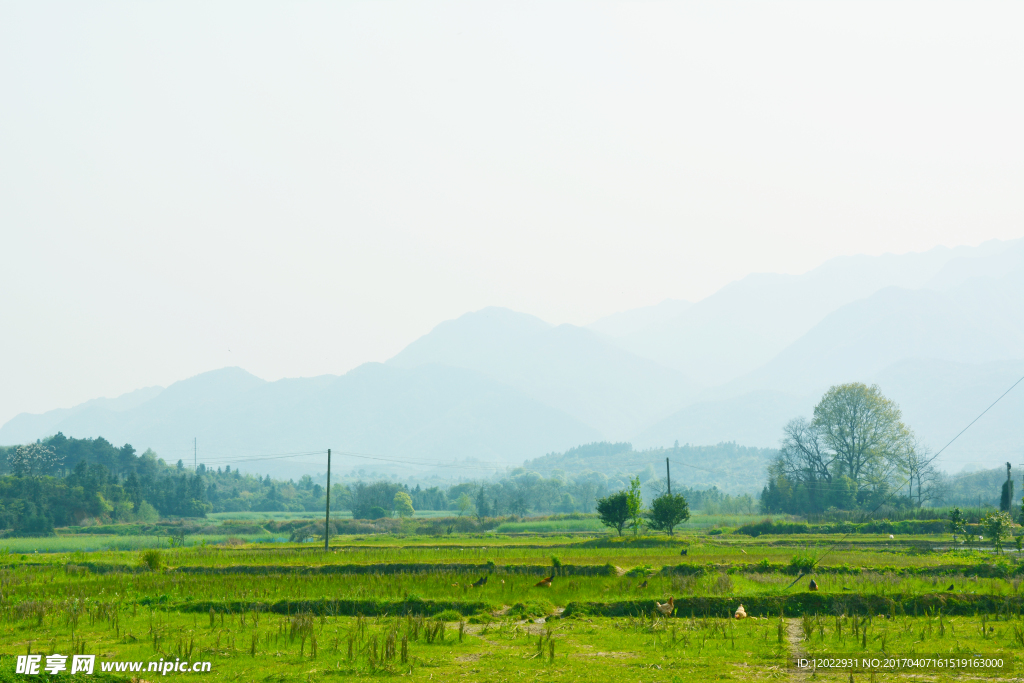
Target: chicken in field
891, 536
668, 607
642, 585
740, 613
950, 587
813, 585
481, 582
544, 583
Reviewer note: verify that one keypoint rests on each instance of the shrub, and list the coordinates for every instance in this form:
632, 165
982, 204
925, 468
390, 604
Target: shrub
153, 559
448, 615
147, 513
641, 570
802, 562
530, 608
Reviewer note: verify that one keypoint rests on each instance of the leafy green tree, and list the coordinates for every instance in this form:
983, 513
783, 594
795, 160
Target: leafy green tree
957, 524
844, 493
862, 428
668, 511
365, 497
850, 449
997, 525
483, 508
636, 505
614, 510
464, 504
403, 504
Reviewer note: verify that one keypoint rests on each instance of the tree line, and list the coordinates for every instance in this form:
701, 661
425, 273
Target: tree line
63, 482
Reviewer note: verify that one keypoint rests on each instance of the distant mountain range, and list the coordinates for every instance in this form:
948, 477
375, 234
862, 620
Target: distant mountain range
942, 333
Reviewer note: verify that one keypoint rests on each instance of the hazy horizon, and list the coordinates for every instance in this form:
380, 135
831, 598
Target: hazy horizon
131, 390
297, 190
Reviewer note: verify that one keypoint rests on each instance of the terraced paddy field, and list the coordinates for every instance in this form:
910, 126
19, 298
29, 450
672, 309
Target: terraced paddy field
406, 608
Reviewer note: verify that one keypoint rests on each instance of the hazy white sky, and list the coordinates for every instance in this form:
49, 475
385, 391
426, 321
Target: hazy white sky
297, 188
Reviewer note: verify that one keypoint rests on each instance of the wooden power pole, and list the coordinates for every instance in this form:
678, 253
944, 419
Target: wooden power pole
327, 519
668, 477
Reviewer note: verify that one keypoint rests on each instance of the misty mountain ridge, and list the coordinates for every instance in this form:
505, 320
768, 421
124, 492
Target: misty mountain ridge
748, 322
569, 368
942, 333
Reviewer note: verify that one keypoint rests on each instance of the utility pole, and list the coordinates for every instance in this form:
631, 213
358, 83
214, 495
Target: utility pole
668, 477
327, 521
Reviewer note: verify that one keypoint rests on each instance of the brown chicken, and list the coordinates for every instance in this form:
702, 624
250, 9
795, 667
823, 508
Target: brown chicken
544, 583
642, 585
812, 586
478, 584
668, 607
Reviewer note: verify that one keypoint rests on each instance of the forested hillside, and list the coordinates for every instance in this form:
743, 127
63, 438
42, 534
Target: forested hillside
62, 482
729, 467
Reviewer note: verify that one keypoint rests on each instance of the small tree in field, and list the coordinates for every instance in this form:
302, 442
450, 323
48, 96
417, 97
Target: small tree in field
997, 525
614, 510
668, 511
636, 505
957, 524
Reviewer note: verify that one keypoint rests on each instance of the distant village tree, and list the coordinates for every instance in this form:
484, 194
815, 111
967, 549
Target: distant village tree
34, 459
483, 508
464, 504
635, 503
997, 526
614, 510
957, 524
1006, 497
403, 504
668, 511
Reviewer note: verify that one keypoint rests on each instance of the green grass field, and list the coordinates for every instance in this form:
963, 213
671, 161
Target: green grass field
398, 607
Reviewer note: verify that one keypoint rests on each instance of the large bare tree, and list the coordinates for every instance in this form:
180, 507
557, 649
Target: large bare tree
803, 455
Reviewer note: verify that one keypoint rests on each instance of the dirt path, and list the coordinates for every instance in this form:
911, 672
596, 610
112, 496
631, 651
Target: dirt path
795, 638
